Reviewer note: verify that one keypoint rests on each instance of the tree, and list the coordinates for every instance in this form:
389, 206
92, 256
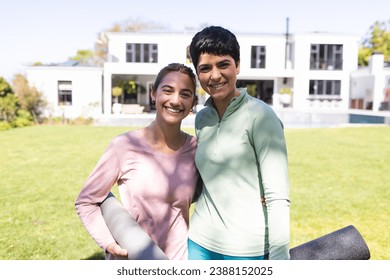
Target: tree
5, 88
8, 108
377, 40
30, 99
84, 57
8, 104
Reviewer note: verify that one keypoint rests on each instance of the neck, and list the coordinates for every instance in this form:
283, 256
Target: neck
221, 105
164, 138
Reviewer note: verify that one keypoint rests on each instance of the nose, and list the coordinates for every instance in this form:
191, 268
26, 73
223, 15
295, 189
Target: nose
215, 74
175, 98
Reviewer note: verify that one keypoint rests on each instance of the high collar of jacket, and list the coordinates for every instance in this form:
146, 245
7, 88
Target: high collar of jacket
234, 103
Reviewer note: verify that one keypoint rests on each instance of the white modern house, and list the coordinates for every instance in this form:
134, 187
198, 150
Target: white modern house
303, 72
370, 86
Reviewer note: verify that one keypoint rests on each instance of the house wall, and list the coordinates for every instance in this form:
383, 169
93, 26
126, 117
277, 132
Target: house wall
370, 86
277, 68
171, 46
361, 90
275, 59
86, 89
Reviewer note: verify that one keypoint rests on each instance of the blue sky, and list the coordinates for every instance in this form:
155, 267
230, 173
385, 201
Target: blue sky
51, 31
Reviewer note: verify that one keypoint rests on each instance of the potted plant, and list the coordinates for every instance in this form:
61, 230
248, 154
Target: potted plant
285, 96
116, 107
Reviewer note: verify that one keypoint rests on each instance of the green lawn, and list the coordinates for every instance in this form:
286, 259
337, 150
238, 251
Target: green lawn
339, 176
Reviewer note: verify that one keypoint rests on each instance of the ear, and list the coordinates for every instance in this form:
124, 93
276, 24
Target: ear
238, 68
194, 102
152, 94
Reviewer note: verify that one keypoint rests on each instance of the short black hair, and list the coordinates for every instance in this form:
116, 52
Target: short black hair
214, 40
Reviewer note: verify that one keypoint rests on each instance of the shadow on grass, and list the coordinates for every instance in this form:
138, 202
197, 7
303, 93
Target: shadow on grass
96, 256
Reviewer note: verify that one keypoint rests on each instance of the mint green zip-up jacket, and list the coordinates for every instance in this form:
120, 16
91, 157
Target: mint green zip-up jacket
242, 157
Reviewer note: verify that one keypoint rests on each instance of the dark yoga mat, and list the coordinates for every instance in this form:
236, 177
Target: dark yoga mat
127, 233
343, 244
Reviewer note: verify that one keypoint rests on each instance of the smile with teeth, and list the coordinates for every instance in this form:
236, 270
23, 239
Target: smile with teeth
216, 86
172, 110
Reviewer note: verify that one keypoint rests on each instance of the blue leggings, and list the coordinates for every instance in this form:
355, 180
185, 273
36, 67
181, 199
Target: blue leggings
197, 252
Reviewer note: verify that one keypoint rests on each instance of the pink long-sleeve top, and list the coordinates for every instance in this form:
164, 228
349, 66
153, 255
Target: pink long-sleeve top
156, 189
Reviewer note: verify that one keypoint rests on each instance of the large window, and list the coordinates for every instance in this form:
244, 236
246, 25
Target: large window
146, 53
325, 89
258, 57
65, 93
326, 57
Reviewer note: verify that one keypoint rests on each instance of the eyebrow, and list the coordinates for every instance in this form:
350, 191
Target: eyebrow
223, 61
166, 85
219, 62
171, 87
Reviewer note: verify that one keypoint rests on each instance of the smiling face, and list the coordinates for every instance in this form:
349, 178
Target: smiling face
174, 97
217, 75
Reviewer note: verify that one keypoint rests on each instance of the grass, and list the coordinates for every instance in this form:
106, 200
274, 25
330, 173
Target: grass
338, 177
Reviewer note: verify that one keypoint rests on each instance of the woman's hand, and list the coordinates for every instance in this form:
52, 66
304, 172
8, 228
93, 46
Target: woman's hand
116, 250
262, 199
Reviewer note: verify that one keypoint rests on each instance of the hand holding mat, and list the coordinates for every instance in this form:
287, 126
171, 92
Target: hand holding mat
127, 232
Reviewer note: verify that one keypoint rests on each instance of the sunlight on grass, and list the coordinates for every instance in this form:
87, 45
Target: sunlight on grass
338, 177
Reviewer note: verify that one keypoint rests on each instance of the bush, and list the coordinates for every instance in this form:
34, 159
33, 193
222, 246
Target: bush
80, 121
4, 126
23, 118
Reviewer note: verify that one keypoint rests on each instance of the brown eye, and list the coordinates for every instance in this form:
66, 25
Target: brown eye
224, 65
186, 94
166, 90
204, 69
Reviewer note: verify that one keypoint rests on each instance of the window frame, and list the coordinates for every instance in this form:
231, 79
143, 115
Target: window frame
258, 57
141, 53
64, 93
324, 89
326, 57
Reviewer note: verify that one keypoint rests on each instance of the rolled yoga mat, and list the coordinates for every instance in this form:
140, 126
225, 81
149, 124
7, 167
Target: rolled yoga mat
343, 244
128, 233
